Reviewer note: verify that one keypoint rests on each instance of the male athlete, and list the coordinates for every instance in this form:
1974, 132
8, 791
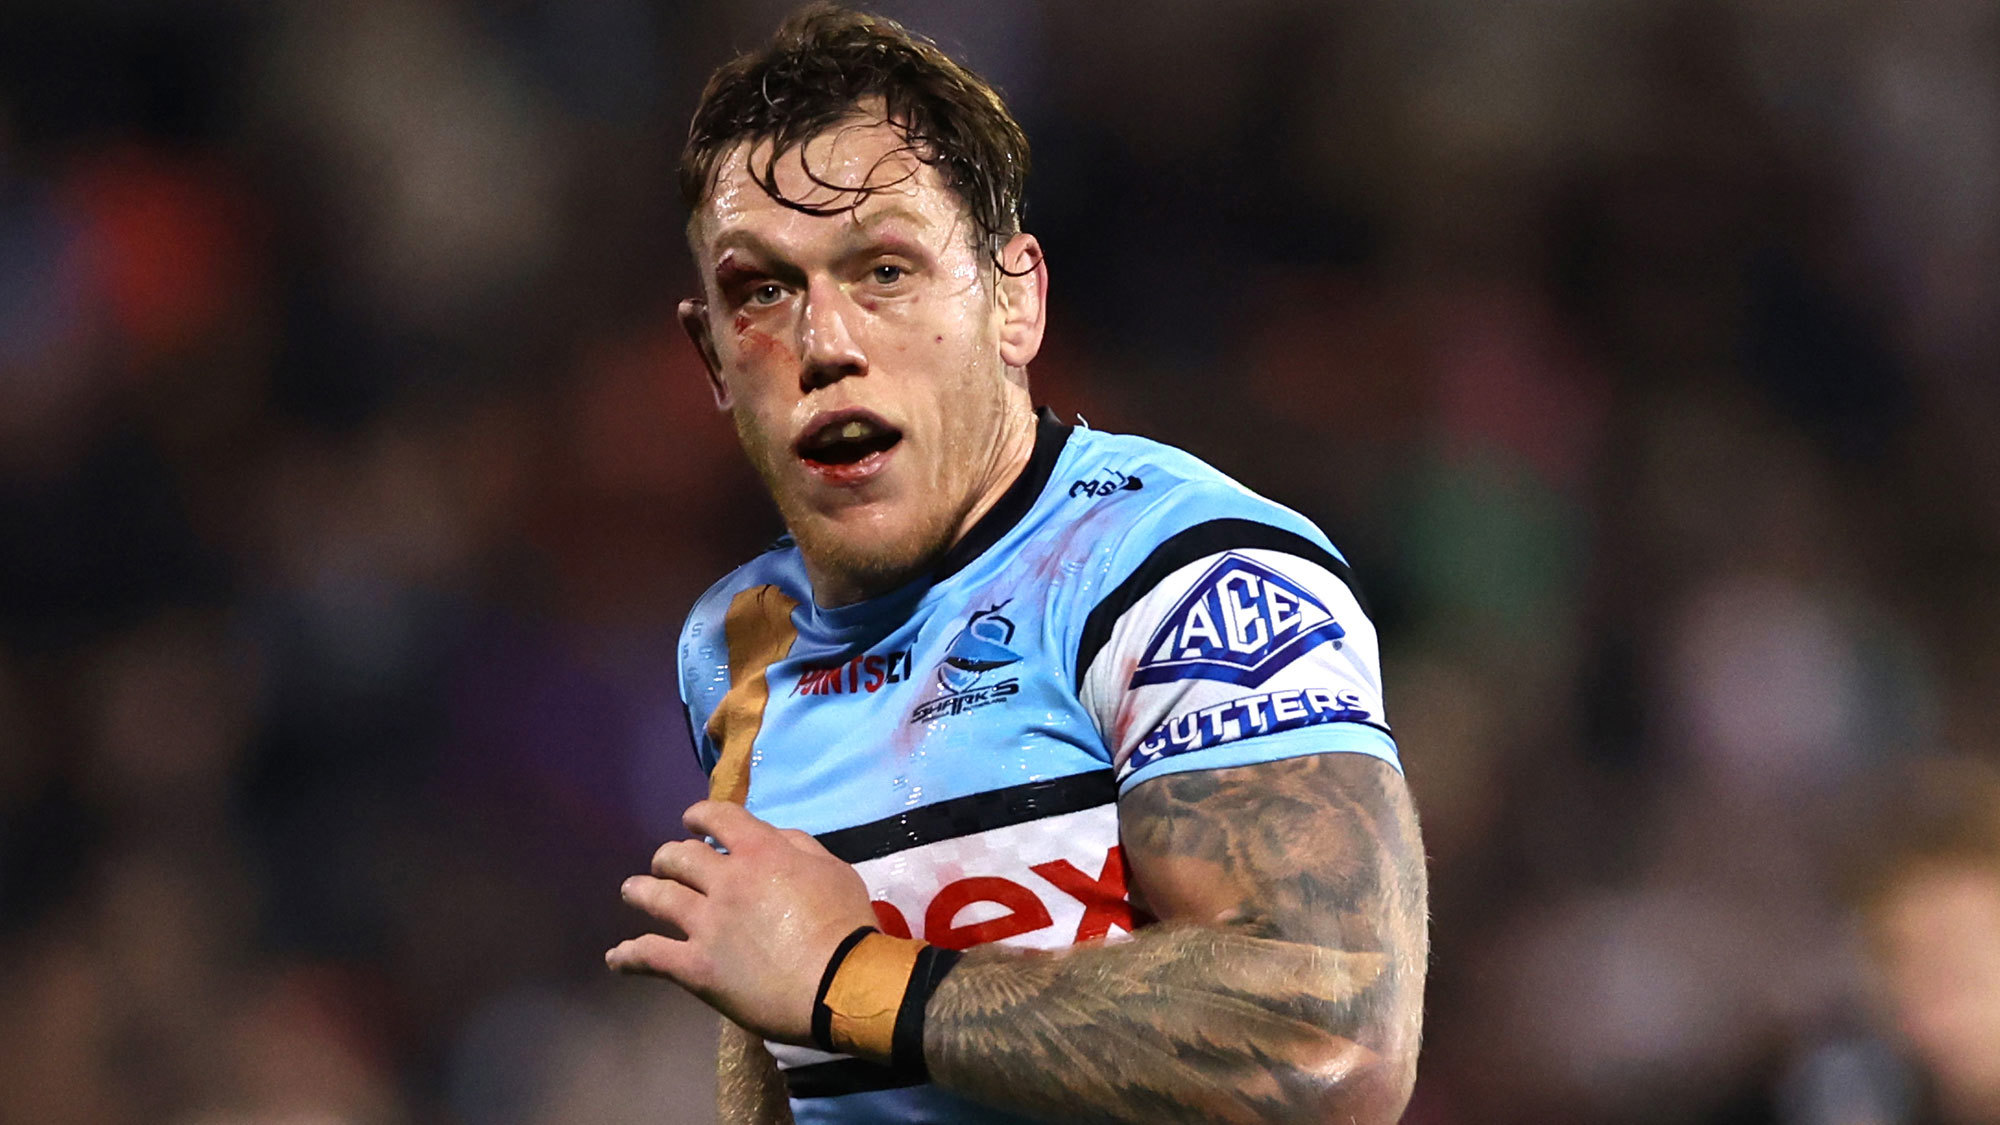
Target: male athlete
1049, 778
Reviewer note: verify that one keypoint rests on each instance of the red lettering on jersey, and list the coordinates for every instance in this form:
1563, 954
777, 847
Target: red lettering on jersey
1025, 912
1103, 897
890, 920
876, 673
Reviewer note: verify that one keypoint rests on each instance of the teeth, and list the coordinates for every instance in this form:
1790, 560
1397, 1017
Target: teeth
854, 431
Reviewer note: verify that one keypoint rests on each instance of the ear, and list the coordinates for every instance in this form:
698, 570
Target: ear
1023, 290
694, 321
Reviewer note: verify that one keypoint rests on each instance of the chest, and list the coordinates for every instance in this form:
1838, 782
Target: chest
965, 696
951, 763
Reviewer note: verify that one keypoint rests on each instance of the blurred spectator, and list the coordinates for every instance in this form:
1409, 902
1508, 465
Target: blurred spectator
1929, 889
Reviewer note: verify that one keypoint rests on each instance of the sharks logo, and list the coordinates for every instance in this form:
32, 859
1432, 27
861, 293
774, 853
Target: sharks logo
978, 649
1240, 623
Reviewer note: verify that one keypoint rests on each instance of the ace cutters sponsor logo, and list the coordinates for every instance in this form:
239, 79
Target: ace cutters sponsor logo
1245, 717
966, 674
1240, 623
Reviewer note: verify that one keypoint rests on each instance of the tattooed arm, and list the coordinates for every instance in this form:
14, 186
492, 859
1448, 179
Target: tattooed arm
1283, 983
748, 1088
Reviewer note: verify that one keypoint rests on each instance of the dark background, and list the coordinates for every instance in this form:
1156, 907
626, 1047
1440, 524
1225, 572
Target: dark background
354, 478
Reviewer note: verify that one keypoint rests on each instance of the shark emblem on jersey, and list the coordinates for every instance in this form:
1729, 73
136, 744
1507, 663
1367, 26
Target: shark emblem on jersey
1240, 623
979, 648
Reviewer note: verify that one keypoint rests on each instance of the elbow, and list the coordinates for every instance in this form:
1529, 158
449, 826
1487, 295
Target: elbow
1364, 1087
1364, 1077
1375, 1094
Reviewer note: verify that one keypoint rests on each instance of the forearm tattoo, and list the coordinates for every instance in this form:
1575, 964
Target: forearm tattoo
1284, 982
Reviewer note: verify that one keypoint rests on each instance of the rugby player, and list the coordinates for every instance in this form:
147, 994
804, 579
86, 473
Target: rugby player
1049, 777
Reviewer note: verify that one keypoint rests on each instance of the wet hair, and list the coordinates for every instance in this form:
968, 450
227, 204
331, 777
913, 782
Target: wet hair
822, 65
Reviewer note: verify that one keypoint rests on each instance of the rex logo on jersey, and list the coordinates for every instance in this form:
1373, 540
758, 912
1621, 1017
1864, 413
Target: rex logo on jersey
1240, 623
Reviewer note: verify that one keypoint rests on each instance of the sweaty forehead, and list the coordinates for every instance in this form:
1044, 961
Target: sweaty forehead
856, 169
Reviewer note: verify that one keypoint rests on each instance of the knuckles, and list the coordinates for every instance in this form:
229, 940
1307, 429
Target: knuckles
676, 855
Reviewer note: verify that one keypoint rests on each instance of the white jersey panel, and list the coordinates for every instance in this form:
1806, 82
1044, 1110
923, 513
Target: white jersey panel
1239, 644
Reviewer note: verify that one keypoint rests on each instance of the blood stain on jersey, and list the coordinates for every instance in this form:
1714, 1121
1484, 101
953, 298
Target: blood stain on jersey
1240, 623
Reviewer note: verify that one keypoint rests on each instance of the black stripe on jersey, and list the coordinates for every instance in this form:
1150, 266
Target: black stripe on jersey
976, 812
844, 1076
1198, 542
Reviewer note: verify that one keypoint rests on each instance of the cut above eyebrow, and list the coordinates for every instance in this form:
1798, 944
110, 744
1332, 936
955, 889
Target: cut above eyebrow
769, 264
742, 239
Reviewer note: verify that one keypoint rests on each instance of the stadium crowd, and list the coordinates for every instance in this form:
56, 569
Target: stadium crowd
354, 478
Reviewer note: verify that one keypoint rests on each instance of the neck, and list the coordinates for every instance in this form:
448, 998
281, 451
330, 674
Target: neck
1011, 454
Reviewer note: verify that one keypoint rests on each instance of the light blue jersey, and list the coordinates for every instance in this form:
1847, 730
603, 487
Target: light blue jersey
1124, 612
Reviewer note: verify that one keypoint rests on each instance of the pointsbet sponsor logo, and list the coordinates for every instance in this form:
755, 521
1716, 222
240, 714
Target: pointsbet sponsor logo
978, 909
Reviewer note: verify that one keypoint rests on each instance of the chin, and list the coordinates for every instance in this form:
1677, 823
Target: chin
865, 556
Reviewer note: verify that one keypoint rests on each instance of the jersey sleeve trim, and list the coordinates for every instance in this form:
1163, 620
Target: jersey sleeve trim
1182, 548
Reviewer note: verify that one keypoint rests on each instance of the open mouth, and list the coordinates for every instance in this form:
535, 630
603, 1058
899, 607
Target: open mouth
847, 440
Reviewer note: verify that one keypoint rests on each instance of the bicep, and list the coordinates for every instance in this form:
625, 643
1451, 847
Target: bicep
1320, 850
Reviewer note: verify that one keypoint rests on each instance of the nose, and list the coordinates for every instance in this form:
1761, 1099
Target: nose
828, 345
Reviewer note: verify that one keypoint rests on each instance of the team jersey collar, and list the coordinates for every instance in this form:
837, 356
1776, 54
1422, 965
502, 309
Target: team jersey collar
1051, 436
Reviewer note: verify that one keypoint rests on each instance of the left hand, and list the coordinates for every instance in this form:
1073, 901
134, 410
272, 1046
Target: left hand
760, 922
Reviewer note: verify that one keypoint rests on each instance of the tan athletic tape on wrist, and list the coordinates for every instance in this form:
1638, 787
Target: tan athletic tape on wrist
866, 994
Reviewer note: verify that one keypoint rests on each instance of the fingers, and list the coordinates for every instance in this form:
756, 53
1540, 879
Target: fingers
688, 861
731, 824
664, 899
650, 955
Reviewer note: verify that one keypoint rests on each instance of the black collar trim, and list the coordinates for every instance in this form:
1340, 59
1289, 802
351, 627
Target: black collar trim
1051, 435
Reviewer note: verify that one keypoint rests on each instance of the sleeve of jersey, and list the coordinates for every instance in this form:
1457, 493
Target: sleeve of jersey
704, 674
1244, 655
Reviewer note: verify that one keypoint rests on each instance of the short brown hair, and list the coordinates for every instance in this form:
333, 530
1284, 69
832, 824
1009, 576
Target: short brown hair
824, 62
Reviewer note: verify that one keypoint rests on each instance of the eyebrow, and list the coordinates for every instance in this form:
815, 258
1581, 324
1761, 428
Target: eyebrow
776, 262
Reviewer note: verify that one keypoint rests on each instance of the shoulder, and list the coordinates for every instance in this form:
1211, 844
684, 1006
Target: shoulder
1162, 491
1173, 509
778, 566
1222, 628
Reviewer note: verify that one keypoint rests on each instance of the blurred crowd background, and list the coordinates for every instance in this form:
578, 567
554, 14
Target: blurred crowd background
354, 478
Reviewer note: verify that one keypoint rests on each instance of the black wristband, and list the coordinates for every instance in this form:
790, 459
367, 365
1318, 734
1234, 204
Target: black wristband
907, 1043
822, 1016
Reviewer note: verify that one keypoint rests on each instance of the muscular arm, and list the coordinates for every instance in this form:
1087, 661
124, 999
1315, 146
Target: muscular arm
748, 1088
1284, 983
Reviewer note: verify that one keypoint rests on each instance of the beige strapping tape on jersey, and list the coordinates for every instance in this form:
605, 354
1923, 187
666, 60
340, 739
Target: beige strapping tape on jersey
758, 631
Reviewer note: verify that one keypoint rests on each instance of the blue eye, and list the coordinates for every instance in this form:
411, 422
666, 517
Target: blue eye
768, 293
889, 275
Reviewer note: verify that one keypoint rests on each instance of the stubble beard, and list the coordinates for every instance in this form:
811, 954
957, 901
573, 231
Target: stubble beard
863, 560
